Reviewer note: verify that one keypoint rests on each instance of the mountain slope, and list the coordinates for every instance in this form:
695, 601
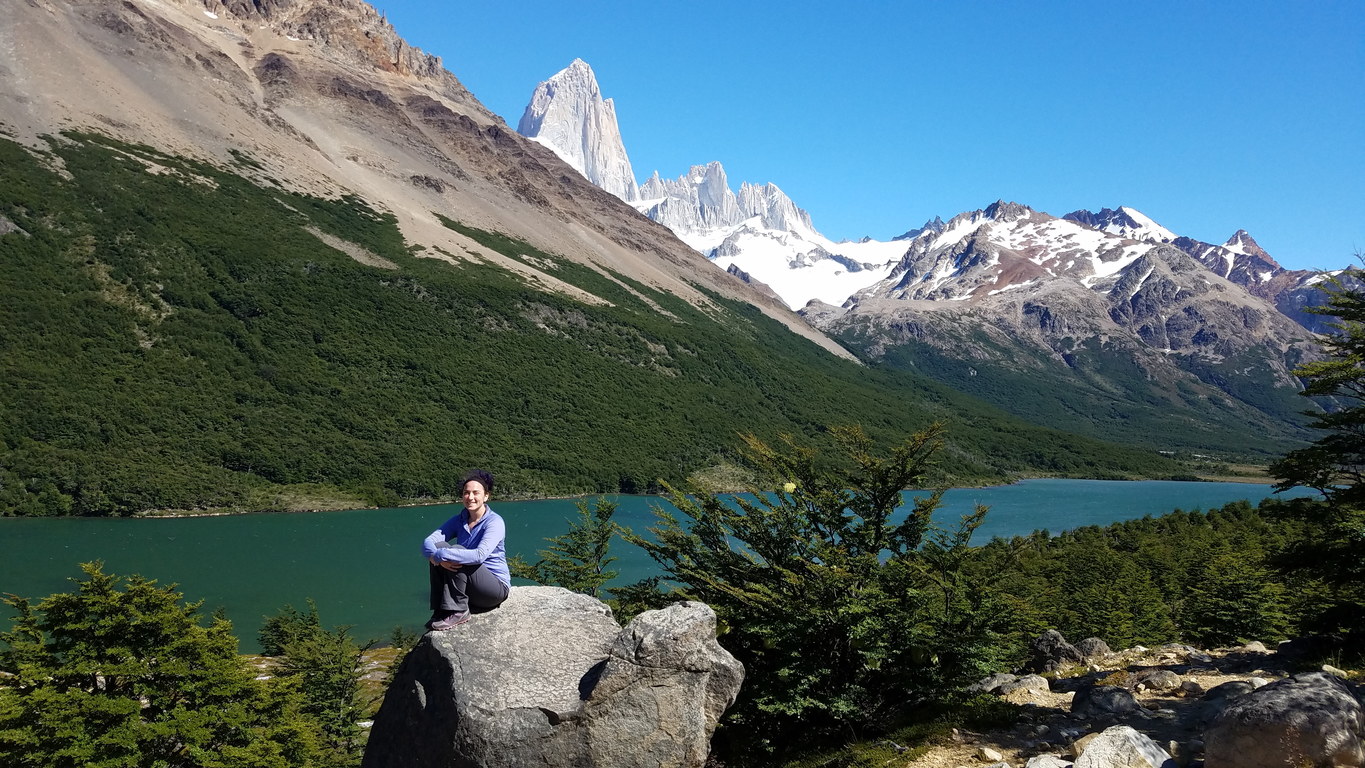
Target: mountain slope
265, 255
329, 99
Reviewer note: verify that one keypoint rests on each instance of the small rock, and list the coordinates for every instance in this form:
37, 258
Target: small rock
1047, 761
1191, 688
1331, 670
1179, 752
1158, 679
1255, 646
1040, 729
1257, 682
1031, 683
988, 755
1050, 651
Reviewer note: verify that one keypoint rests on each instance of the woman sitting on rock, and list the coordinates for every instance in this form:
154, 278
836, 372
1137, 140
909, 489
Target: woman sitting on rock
468, 557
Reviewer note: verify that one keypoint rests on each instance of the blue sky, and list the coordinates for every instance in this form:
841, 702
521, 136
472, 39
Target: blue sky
876, 116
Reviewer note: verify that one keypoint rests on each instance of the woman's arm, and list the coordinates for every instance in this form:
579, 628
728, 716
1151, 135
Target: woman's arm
493, 532
429, 548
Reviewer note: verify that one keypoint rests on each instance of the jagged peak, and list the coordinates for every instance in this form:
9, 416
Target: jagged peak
1096, 219
579, 74
1124, 221
568, 114
935, 224
767, 190
1003, 211
1243, 243
701, 174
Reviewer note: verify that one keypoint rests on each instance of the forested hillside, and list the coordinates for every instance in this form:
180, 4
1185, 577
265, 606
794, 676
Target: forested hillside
175, 335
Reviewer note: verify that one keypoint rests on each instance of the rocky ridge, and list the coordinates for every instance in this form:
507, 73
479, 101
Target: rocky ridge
1066, 299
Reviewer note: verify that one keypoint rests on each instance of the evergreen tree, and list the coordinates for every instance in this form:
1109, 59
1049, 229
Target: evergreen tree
288, 626
121, 673
327, 665
823, 593
577, 560
1335, 463
1234, 598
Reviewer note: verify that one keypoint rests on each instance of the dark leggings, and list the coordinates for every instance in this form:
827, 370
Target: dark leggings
473, 586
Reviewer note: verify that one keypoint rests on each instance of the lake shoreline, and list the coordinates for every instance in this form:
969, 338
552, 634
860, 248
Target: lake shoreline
170, 514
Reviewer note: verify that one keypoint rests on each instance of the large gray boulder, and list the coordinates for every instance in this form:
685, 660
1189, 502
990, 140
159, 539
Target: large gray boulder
992, 684
1311, 719
1030, 683
1092, 647
1104, 701
1050, 651
550, 679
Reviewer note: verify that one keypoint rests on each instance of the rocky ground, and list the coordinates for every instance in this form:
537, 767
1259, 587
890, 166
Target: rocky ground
1177, 689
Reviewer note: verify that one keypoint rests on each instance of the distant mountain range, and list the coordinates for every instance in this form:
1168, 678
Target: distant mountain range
1136, 324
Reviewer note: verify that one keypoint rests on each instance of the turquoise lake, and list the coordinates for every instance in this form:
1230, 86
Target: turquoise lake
364, 567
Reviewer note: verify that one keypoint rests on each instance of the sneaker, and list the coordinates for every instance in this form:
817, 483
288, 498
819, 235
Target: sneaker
451, 621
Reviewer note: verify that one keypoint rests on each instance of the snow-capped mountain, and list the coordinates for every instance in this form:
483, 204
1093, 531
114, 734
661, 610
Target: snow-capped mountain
758, 234
1008, 248
568, 114
1103, 303
1240, 260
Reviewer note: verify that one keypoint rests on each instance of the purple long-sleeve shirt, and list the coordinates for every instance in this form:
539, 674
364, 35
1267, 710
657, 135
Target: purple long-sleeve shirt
484, 543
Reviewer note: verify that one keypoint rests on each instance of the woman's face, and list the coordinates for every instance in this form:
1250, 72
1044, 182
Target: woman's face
475, 496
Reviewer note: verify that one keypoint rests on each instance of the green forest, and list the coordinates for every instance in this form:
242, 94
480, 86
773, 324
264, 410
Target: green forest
175, 336
1104, 393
